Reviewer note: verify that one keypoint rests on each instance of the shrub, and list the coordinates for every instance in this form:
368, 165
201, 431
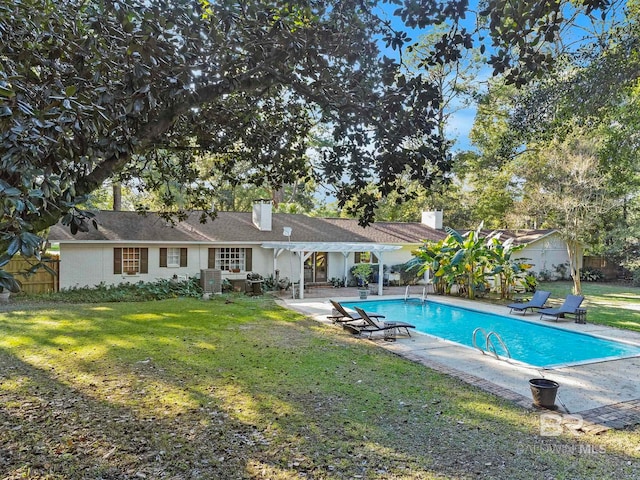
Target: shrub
545, 275
635, 281
562, 271
269, 283
126, 292
227, 286
591, 274
284, 283
530, 282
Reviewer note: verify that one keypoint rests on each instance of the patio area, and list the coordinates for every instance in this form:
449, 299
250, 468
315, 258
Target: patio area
597, 396
327, 291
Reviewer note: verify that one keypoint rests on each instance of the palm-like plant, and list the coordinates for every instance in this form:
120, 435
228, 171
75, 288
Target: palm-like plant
470, 260
434, 257
507, 269
459, 259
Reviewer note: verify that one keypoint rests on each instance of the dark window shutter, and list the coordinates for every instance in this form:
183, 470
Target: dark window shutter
248, 260
183, 257
356, 257
163, 257
117, 260
144, 260
211, 263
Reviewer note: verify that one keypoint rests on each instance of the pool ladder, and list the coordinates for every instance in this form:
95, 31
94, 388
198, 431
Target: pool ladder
489, 345
407, 295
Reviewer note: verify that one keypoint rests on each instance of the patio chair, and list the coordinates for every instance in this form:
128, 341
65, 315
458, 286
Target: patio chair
342, 315
537, 301
370, 325
570, 306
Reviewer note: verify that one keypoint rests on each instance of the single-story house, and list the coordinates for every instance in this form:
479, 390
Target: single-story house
129, 247
546, 250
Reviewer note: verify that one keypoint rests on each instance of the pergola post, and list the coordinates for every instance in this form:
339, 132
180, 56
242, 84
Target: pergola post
380, 274
345, 269
303, 258
276, 254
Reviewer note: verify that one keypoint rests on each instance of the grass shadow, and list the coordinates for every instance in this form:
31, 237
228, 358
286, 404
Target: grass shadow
245, 390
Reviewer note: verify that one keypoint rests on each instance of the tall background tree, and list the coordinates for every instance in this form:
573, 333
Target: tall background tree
457, 85
566, 187
531, 142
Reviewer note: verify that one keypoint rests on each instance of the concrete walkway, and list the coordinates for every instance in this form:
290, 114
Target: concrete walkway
603, 395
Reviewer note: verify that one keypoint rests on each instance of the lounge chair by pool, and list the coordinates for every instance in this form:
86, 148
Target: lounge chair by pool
570, 306
342, 315
370, 325
537, 301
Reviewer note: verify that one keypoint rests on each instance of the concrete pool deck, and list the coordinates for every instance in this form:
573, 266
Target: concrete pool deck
604, 394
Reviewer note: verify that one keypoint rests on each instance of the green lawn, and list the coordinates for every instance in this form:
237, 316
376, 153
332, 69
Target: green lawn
607, 304
240, 388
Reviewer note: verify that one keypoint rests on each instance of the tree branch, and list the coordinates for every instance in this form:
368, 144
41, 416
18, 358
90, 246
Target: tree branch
153, 130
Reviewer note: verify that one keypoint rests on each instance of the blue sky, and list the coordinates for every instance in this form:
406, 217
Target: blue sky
462, 120
460, 126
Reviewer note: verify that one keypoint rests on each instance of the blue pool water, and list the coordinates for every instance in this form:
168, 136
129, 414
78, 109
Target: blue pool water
537, 345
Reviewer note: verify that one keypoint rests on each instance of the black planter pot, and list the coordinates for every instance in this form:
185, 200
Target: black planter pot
544, 392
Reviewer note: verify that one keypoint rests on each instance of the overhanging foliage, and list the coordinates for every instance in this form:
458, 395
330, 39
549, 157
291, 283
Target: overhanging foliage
94, 90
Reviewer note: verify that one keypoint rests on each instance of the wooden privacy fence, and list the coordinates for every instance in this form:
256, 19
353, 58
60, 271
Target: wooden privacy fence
611, 270
40, 282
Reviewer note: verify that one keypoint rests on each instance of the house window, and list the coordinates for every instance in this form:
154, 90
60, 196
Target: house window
365, 257
131, 260
173, 257
230, 259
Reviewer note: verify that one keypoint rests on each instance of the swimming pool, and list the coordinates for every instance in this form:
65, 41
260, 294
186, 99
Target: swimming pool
537, 345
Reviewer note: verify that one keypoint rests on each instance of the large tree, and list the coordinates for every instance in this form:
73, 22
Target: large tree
594, 93
566, 187
90, 88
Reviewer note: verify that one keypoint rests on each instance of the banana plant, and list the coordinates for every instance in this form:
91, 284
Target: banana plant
434, 257
459, 259
508, 270
470, 260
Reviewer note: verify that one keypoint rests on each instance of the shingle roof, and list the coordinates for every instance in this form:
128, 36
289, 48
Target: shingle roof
390, 232
123, 226
521, 236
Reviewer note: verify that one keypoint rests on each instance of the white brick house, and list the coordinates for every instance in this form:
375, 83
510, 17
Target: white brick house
128, 247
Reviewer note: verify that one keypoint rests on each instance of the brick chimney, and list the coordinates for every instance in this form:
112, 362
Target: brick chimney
262, 214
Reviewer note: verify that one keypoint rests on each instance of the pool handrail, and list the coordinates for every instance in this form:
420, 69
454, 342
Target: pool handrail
489, 346
473, 338
407, 295
490, 343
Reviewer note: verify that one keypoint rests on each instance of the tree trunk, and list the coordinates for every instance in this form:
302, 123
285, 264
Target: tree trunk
117, 196
573, 248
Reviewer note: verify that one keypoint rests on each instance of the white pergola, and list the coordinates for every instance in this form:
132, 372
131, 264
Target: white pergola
306, 249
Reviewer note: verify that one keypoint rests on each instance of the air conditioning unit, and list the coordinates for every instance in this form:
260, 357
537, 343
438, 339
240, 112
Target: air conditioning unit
211, 280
